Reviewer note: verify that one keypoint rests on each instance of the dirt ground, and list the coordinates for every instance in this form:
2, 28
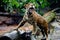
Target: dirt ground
5, 28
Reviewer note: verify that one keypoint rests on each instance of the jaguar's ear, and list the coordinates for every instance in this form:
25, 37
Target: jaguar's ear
26, 5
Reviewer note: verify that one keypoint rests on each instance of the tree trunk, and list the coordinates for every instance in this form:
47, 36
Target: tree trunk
49, 16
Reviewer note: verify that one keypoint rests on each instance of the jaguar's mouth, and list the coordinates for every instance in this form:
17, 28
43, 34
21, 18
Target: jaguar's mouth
32, 7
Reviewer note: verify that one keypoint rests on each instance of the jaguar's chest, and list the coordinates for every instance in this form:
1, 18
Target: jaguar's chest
30, 19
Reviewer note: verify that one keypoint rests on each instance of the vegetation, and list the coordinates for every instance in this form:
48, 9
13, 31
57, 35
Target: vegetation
18, 5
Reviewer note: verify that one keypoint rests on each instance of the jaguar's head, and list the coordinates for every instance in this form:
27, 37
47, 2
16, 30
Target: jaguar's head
29, 6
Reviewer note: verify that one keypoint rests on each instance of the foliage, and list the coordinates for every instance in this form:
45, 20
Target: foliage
11, 4
18, 4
